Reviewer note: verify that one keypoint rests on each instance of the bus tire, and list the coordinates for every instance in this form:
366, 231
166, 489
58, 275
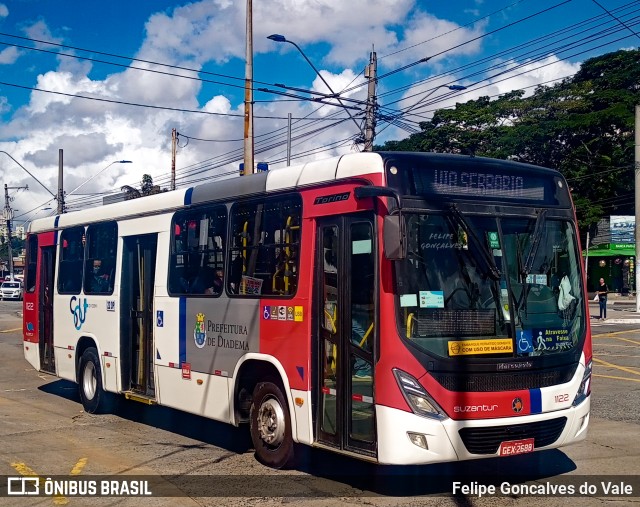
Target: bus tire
270, 424
93, 397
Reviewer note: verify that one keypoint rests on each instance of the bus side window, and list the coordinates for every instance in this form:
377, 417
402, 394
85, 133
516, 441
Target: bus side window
32, 259
197, 251
100, 260
71, 260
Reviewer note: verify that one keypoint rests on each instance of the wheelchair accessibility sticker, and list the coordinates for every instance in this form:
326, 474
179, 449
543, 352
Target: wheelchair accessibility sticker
286, 313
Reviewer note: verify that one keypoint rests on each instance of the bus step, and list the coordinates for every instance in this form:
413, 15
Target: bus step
130, 395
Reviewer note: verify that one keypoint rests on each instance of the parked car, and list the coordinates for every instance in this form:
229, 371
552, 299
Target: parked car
11, 290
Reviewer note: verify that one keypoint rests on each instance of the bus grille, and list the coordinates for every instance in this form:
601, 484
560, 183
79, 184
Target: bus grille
503, 381
487, 440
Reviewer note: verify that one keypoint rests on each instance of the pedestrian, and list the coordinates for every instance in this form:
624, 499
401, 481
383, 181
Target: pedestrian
603, 290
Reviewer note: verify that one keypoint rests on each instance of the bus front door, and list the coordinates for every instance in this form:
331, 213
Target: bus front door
45, 305
345, 334
136, 303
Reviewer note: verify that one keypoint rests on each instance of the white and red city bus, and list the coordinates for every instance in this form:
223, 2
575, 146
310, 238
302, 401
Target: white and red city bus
403, 308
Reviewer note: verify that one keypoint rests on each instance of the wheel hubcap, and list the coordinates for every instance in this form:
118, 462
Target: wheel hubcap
271, 422
89, 382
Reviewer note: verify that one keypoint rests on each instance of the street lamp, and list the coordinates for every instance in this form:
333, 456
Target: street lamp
100, 172
281, 38
455, 87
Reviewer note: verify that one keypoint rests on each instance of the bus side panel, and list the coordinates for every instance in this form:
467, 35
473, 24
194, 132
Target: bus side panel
392, 351
183, 382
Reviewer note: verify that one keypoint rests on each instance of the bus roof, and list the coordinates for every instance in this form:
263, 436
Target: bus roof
330, 169
310, 173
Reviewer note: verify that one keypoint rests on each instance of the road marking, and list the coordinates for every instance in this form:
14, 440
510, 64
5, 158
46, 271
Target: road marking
11, 330
635, 342
24, 469
79, 466
616, 355
622, 368
618, 378
613, 334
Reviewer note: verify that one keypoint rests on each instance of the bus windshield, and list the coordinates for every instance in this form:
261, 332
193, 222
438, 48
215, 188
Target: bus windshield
476, 285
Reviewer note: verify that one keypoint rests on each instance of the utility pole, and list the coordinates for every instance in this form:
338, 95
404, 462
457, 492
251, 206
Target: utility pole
637, 204
248, 95
8, 216
289, 141
370, 125
586, 259
61, 208
174, 138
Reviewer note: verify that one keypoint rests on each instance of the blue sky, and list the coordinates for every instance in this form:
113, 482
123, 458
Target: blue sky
490, 46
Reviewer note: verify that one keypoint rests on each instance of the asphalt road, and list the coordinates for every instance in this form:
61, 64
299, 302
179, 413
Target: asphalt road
44, 432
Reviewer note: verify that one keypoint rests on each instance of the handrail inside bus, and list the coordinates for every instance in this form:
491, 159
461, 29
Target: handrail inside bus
410, 319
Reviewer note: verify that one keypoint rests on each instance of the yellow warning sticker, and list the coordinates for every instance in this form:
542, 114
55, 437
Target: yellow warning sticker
298, 315
471, 347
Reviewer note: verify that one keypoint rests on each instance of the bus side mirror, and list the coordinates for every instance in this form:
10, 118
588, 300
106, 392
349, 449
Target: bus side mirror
395, 241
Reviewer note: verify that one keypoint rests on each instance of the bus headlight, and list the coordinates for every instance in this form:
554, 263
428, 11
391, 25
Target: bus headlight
585, 386
417, 397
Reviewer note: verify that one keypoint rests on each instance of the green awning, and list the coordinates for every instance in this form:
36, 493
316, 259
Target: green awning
612, 250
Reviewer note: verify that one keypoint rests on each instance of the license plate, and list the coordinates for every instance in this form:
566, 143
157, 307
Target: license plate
513, 447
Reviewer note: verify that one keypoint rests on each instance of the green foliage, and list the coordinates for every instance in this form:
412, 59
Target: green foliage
583, 126
146, 188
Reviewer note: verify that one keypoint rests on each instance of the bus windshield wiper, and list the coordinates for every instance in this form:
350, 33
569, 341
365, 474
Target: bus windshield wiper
490, 267
535, 244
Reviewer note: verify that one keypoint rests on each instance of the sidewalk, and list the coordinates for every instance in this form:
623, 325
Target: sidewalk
620, 310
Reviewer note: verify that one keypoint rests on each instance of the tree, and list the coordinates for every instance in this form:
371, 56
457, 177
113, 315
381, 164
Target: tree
146, 188
582, 126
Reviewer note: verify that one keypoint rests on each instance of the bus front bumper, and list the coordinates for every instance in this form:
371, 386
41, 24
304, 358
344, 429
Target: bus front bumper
407, 439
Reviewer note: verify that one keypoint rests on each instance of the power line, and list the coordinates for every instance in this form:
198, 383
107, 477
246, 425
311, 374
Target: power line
580, 26
616, 18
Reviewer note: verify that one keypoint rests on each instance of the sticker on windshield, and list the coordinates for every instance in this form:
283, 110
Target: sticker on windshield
537, 279
494, 240
525, 341
408, 300
551, 339
472, 347
431, 299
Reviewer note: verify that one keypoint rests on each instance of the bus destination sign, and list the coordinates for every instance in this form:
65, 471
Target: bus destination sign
486, 184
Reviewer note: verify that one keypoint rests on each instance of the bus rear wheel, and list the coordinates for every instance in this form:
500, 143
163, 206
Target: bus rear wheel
270, 423
94, 398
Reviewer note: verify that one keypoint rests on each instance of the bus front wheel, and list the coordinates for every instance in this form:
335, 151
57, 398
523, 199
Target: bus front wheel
94, 398
271, 426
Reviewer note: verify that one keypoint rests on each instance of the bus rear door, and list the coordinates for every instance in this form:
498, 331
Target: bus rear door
45, 306
136, 304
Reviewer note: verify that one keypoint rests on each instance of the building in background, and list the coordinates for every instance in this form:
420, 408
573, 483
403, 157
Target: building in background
612, 255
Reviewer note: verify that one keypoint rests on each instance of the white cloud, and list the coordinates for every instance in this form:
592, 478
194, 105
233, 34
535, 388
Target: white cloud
93, 134
40, 31
9, 55
4, 12
529, 74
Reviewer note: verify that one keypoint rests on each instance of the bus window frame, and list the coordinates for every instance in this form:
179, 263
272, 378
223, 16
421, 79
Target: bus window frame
79, 263
196, 214
262, 206
108, 262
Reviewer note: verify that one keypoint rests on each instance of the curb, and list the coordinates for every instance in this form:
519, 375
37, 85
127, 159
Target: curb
617, 321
